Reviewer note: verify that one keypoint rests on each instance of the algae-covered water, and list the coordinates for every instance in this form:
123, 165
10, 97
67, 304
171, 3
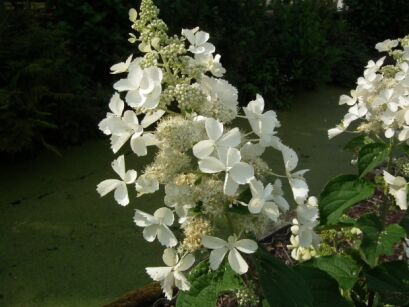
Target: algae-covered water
62, 245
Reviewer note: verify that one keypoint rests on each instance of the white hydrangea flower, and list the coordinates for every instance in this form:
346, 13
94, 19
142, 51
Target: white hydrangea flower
261, 200
303, 225
251, 151
237, 172
278, 196
220, 248
121, 190
143, 86
157, 225
387, 45
172, 274
128, 127
220, 91
146, 184
116, 105
398, 188
262, 124
297, 182
217, 140
198, 41
122, 66
211, 64
298, 252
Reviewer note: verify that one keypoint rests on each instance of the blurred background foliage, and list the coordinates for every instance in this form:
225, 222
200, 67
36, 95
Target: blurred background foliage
55, 55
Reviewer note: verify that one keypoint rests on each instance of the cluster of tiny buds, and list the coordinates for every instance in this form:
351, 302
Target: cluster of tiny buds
149, 59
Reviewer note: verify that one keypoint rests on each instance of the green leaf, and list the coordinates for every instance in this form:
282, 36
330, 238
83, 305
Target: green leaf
391, 281
340, 194
207, 285
376, 240
342, 268
322, 286
371, 156
358, 142
280, 284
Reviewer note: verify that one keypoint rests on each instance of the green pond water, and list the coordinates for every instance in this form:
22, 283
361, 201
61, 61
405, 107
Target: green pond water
62, 245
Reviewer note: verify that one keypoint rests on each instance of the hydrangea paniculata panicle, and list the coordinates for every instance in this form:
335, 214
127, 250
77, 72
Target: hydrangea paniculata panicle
173, 104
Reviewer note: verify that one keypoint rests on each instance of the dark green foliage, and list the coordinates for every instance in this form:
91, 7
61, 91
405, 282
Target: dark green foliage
377, 20
43, 98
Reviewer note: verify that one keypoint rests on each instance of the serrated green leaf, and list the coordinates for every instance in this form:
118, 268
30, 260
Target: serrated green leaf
322, 286
358, 142
371, 156
207, 285
376, 240
341, 193
391, 281
280, 284
342, 268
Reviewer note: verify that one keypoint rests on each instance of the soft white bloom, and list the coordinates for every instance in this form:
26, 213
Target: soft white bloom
217, 140
263, 124
146, 184
220, 248
278, 195
116, 105
143, 86
398, 188
172, 274
307, 219
297, 182
251, 151
298, 252
121, 67
121, 190
386, 45
179, 198
261, 200
211, 64
236, 172
220, 91
157, 225
128, 127
198, 41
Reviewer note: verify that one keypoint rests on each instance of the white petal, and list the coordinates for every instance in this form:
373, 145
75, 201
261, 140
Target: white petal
242, 172
107, 186
165, 215
118, 166
203, 149
181, 281
150, 232
246, 246
256, 205
290, 158
186, 262
135, 99
166, 236
233, 156
170, 257
213, 242
231, 139
138, 146
130, 176
257, 188
214, 129
211, 165
158, 273
116, 105
230, 186
117, 141
167, 286
400, 197
271, 210
143, 219
150, 118
121, 194
237, 263
216, 257
281, 203
146, 184
300, 190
